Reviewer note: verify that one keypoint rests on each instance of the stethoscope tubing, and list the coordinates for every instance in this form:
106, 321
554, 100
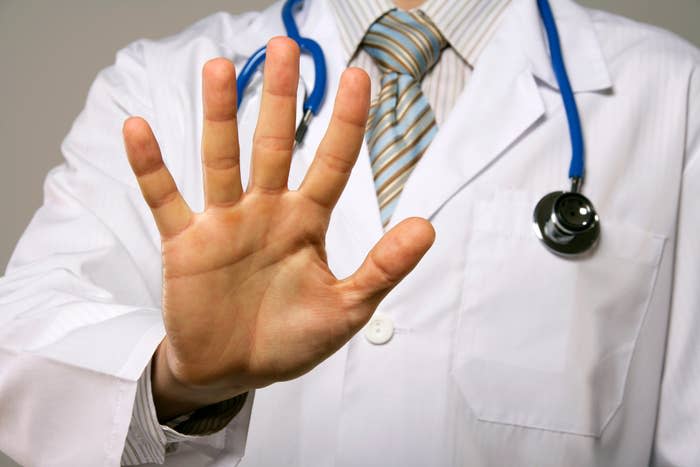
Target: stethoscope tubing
312, 102
576, 167
247, 72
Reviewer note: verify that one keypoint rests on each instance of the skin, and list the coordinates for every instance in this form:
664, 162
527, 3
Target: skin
248, 298
408, 4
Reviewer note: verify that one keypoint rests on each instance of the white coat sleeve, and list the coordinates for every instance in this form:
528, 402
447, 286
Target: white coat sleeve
678, 424
80, 310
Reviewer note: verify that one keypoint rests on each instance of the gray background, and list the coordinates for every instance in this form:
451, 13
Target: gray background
50, 51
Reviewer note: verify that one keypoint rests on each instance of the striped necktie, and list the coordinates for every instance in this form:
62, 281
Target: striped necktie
401, 125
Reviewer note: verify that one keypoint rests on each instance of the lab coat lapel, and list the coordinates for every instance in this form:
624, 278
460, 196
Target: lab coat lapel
585, 62
501, 102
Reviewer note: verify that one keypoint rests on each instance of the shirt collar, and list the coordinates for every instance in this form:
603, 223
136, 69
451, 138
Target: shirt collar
466, 24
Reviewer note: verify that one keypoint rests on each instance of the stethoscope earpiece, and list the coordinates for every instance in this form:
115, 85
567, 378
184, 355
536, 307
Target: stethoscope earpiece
567, 223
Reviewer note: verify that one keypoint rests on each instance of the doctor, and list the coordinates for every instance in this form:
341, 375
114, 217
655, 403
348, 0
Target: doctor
128, 340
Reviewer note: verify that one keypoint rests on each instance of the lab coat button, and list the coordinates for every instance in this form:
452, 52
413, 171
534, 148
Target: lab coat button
380, 329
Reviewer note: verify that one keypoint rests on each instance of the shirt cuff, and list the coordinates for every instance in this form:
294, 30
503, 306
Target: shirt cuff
148, 441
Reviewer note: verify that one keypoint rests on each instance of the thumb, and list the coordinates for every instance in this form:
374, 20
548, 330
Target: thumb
392, 258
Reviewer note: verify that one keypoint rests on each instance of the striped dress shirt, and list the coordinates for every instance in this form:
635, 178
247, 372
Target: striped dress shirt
147, 441
467, 25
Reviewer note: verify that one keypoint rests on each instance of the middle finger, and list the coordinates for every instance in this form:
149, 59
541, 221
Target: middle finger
274, 134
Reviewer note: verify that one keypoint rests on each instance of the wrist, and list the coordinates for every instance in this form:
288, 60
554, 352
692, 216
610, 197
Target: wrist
172, 396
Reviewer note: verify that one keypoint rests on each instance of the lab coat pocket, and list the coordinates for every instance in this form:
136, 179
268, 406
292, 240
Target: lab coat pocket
542, 341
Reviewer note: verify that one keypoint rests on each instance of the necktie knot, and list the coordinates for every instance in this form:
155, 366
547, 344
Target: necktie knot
403, 42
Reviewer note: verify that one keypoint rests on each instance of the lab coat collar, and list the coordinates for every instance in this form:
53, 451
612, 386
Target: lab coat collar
583, 56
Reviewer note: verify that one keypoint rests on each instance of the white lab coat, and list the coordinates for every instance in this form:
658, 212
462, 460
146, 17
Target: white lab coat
502, 353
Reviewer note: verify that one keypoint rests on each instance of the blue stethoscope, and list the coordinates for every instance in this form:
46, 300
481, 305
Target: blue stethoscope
565, 221
312, 102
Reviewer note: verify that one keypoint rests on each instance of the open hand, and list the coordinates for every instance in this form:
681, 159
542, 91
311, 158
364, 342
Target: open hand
248, 298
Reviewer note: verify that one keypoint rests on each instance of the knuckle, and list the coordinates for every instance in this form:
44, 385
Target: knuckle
148, 167
157, 202
273, 142
353, 120
222, 163
335, 161
382, 272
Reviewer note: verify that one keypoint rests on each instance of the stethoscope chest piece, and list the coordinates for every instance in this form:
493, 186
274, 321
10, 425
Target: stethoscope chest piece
566, 223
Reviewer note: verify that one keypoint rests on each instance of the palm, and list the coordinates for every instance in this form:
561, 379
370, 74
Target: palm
278, 297
248, 298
